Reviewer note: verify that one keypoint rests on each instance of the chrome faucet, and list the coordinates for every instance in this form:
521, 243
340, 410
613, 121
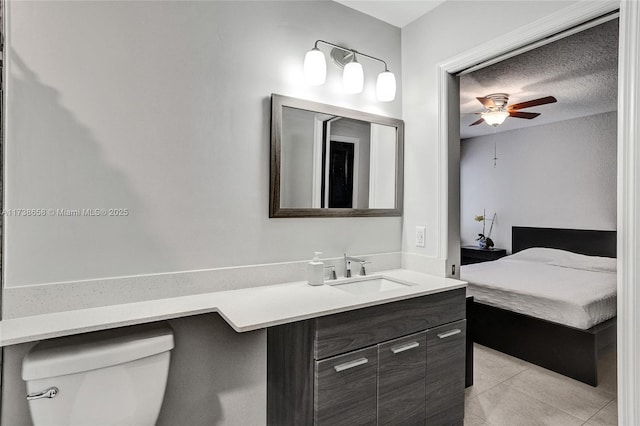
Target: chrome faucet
347, 265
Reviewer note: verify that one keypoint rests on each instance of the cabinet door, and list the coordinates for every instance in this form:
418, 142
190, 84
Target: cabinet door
345, 389
445, 374
401, 380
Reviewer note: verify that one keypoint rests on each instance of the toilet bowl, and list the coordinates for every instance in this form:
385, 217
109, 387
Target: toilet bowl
115, 377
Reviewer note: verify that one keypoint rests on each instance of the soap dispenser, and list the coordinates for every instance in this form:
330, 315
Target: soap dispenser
316, 270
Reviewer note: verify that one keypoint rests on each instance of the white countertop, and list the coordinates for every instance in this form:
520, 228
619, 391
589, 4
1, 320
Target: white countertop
245, 310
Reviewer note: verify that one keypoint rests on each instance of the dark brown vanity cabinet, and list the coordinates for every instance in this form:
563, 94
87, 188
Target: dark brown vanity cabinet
401, 380
399, 363
446, 355
346, 389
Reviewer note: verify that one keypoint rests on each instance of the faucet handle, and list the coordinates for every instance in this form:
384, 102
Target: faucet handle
363, 271
332, 272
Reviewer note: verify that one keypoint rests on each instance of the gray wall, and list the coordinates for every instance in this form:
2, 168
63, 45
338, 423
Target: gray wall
296, 158
163, 108
216, 377
557, 175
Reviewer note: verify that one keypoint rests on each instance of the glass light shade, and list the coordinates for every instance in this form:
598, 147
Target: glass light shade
386, 86
353, 78
495, 118
315, 67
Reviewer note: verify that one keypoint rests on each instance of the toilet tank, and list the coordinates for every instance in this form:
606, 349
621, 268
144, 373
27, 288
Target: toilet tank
115, 377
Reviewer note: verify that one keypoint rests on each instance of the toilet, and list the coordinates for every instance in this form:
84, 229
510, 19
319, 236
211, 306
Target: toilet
114, 377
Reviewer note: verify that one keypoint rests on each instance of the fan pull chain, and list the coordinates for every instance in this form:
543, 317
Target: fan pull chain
495, 153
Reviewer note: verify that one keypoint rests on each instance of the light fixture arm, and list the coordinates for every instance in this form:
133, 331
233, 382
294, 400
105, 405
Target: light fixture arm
353, 51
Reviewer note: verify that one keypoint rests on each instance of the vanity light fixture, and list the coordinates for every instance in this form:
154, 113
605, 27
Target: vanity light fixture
353, 77
315, 67
315, 71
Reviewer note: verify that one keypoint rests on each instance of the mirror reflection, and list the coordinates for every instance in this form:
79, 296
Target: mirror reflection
331, 161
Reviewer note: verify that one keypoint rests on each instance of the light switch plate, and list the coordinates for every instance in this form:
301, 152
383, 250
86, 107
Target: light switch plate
420, 231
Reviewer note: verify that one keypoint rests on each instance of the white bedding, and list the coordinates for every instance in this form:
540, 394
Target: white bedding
555, 285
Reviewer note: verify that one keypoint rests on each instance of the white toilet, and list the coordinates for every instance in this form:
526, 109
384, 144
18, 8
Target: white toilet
115, 377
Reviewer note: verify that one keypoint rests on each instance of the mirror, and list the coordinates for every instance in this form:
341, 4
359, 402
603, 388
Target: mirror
328, 161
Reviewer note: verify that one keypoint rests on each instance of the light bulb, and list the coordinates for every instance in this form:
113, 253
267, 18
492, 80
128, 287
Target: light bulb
386, 86
315, 67
495, 118
353, 77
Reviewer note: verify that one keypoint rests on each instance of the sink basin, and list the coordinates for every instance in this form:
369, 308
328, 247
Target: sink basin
370, 285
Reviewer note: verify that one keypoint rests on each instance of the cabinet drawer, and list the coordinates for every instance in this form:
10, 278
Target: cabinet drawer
345, 389
401, 380
446, 373
347, 331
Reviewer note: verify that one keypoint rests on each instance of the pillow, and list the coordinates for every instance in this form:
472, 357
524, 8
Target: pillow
567, 259
537, 254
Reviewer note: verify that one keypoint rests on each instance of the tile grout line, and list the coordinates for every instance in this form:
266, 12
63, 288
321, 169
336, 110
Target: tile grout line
533, 397
560, 409
499, 383
489, 388
530, 367
597, 412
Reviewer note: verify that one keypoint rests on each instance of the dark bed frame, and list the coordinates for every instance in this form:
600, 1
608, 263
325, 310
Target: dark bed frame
566, 350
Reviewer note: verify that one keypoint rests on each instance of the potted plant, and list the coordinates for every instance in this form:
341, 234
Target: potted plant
485, 241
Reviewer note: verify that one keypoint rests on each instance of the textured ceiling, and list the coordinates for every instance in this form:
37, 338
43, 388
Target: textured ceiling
580, 71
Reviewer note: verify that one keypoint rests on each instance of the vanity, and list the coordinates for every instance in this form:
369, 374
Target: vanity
397, 363
388, 361
289, 340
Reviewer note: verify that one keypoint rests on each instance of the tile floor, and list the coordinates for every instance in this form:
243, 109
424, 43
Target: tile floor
510, 392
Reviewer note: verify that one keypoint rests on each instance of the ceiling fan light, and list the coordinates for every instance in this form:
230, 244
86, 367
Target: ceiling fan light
386, 86
495, 118
315, 67
353, 77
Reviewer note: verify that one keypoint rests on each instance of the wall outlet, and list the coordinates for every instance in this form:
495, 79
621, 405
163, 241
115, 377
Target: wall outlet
420, 231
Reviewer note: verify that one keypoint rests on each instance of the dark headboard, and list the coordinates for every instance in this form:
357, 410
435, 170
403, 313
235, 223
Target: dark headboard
583, 241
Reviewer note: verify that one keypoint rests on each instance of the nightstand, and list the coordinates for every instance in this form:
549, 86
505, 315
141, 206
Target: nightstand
475, 254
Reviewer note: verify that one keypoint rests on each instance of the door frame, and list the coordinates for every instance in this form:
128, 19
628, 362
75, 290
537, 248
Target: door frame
628, 203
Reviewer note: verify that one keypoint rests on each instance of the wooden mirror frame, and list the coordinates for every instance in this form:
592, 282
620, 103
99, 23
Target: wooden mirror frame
278, 102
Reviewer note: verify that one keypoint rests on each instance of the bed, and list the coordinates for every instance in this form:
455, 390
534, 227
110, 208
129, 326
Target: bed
547, 303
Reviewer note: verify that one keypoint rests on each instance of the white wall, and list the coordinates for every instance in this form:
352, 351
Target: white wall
557, 175
162, 108
448, 30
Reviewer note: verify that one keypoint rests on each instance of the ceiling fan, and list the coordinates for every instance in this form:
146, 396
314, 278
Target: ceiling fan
498, 110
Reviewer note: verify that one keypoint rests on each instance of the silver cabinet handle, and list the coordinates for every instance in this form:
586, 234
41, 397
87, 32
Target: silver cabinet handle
351, 364
49, 393
405, 347
449, 333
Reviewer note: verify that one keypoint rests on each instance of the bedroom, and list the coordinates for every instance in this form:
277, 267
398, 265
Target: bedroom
555, 171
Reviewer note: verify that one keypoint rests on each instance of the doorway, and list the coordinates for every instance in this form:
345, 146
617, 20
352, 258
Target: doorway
629, 161
340, 179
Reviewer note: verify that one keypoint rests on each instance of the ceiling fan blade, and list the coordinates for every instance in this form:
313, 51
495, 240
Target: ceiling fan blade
532, 103
476, 122
487, 103
520, 114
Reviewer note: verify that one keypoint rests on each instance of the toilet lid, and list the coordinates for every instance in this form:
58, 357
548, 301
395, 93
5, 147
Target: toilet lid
90, 351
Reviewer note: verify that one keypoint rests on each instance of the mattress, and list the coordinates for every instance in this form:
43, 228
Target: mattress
550, 284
